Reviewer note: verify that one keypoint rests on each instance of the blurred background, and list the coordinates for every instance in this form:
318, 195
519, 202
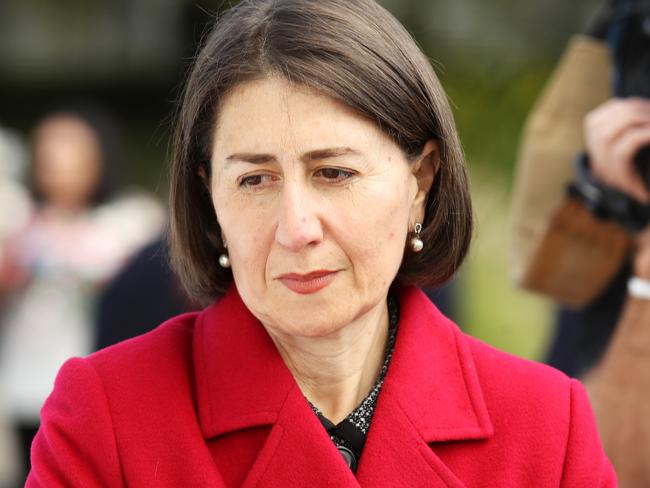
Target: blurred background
126, 59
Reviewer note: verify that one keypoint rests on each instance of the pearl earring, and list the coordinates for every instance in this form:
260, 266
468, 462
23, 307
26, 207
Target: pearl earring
224, 259
416, 243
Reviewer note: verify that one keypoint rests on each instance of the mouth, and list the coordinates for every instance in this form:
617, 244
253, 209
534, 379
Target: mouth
308, 283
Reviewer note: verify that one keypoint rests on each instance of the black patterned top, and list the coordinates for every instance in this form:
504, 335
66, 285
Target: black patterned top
349, 435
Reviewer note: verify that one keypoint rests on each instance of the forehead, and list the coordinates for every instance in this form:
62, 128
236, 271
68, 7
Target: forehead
67, 134
274, 111
65, 126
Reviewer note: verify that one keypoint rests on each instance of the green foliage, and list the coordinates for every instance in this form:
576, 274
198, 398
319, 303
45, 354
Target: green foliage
490, 106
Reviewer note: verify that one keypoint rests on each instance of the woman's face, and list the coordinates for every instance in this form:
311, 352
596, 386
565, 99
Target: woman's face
67, 156
315, 204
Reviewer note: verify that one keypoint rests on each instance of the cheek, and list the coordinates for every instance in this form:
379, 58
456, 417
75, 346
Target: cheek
248, 230
379, 232
248, 251
243, 229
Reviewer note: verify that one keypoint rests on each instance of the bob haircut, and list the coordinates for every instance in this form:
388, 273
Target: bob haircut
351, 50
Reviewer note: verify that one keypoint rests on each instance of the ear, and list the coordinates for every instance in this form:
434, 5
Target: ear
424, 168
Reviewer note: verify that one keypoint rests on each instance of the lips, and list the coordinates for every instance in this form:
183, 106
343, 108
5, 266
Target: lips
305, 284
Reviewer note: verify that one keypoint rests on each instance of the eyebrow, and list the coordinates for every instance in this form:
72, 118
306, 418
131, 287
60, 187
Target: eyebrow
315, 155
328, 153
252, 158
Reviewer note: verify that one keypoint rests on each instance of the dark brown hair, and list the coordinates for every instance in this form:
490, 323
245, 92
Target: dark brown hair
351, 50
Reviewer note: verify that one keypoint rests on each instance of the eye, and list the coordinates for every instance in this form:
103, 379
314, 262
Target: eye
256, 181
333, 174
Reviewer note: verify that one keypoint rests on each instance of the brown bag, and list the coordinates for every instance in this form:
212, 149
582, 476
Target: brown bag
577, 256
559, 249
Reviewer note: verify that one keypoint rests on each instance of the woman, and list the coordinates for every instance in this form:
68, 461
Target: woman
49, 266
54, 264
317, 176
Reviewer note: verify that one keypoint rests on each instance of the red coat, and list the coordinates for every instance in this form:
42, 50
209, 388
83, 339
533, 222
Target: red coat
205, 400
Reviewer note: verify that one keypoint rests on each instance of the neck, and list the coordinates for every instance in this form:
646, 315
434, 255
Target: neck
335, 372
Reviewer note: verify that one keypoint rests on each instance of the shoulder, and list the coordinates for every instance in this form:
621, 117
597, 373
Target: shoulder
525, 393
171, 338
112, 409
532, 404
498, 372
142, 381
157, 362
505, 373
541, 414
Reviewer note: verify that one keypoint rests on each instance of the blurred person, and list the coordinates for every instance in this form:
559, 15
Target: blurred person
141, 296
14, 211
52, 267
589, 251
317, 176
619, 384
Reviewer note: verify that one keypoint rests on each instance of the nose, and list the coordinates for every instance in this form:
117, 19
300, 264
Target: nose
298, 221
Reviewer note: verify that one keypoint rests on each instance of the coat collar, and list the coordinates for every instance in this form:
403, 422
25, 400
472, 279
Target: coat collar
241, 379
431, 394
432, 374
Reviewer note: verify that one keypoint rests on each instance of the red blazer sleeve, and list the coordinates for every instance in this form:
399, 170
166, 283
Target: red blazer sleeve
585, 463
75, 445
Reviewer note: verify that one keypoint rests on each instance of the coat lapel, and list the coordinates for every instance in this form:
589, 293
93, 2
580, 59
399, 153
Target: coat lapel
241, 379
299, 452
431, 394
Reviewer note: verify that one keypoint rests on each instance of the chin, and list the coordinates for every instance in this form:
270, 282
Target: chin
311, 322
307, 315
319, 330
